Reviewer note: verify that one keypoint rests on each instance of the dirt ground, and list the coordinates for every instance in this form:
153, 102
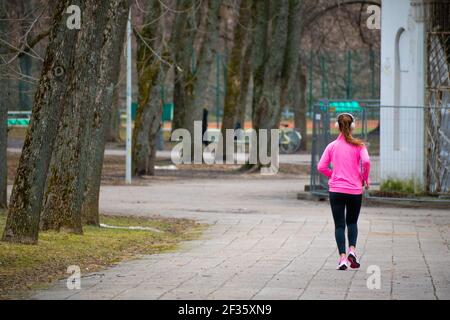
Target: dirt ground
114, 171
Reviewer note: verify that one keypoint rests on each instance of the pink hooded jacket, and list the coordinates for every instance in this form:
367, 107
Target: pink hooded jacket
351, 166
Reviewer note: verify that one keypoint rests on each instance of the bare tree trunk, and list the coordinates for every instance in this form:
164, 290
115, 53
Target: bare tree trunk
112, 134
300, 106
66, 179
25, 62
261, 11
268, 86
154, 121
292, 53
246, 73
182, 46
5, 89
200, 81
109, 71
234, 70
148, 68
57, 77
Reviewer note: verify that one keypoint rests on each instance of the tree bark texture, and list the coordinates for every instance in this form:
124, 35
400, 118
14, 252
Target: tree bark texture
234, 80
246, 73
112, 134
182, 46
113, 41
200, 81
57, 79
148, 69
154, 123
269, 79
65, 181
292, 53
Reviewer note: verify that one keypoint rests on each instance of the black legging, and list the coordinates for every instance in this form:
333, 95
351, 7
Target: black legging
339, 202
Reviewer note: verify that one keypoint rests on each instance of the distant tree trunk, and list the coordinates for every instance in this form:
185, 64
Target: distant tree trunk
261, 17
66, 178
53, 91
178, 100
246, 72
182, 46
268, 84
148, 68
25, 62
234, 70
292, 53
5, 89
108, 77
300, 106
112, 132
200, 81
155, 116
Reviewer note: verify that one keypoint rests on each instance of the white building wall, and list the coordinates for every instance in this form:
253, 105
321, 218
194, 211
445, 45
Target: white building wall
402, 84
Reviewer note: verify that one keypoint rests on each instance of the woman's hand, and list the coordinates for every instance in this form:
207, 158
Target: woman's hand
366, 185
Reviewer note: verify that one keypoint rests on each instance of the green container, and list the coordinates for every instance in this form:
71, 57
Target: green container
167, 114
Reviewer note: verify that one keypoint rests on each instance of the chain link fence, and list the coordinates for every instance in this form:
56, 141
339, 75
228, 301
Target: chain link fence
397, 144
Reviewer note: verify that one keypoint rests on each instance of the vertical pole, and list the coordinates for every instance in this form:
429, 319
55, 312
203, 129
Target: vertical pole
128, 139
217, 89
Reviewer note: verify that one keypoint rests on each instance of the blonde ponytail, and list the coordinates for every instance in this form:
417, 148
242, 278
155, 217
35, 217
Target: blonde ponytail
345, 124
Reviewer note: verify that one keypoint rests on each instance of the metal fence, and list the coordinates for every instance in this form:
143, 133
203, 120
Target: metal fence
397, 144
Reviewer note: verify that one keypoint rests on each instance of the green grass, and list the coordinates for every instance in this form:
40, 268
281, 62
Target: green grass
401, 186
32, 266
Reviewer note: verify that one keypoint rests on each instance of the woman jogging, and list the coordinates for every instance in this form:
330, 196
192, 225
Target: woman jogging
347, 178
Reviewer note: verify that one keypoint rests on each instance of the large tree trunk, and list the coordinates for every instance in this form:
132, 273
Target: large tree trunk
234, 81
66, 178
148, 68
113, 40
5, 89
52, 95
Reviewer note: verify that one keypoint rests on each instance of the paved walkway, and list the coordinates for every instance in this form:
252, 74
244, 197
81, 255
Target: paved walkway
265, 244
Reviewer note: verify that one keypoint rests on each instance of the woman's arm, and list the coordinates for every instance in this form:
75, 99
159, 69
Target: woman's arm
365, 164
325, 160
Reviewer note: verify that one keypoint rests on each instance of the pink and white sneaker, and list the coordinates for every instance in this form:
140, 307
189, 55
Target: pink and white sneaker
354, 262
343, 264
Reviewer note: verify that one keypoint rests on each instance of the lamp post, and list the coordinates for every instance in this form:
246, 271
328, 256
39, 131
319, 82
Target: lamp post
129, 96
